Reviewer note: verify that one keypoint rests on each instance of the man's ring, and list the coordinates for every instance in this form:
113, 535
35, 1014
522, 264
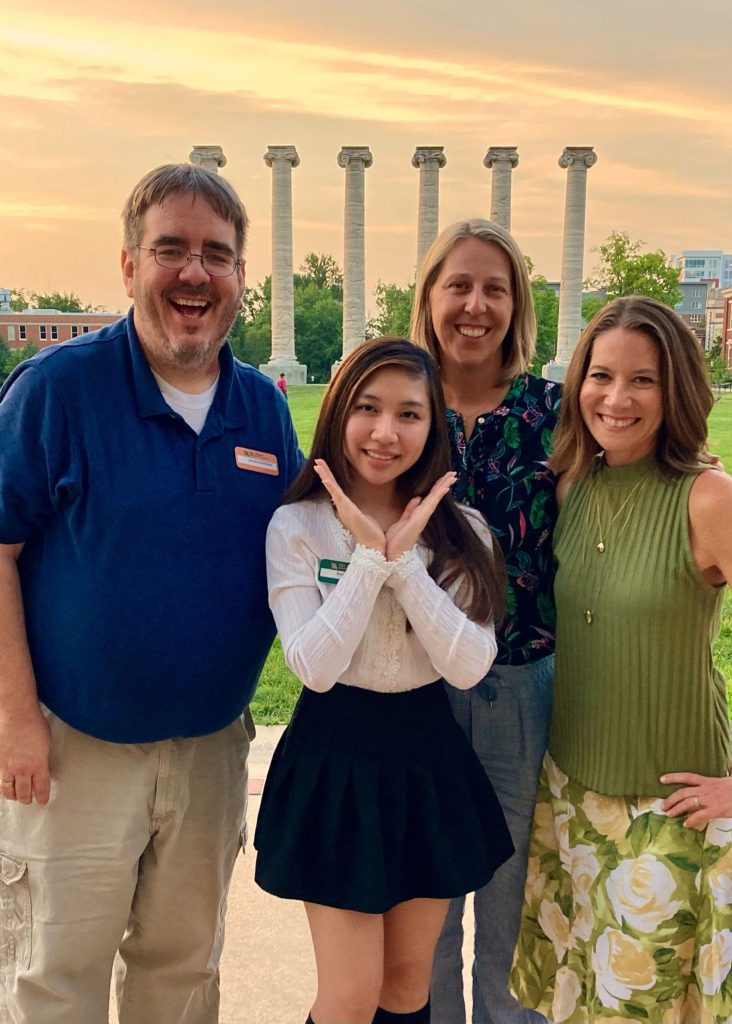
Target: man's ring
7, 782
697, 805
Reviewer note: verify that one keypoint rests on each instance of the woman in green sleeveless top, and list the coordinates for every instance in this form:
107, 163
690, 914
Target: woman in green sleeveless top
628, 902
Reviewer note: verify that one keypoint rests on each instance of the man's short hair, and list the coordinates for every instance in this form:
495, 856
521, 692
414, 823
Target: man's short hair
186, 179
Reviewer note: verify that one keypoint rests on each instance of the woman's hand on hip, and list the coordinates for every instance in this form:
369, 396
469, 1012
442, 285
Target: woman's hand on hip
701, 798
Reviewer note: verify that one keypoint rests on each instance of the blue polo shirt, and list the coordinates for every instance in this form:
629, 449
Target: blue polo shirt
143, 572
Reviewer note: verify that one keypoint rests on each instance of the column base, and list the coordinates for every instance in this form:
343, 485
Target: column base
296, 373
555, 371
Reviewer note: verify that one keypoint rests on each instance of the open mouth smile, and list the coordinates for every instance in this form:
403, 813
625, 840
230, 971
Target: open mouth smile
617, 424
468, 331
379, 456
188, 306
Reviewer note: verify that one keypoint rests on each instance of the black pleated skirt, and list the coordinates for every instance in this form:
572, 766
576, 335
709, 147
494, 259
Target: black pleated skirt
376, 798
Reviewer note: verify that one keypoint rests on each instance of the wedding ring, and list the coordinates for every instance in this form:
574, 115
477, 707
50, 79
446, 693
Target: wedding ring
697, 805
7, 782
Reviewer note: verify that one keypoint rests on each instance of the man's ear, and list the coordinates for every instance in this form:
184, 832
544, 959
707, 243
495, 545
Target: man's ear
128, 269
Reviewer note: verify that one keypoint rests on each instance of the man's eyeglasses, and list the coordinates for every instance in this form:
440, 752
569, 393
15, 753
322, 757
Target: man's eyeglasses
175, 257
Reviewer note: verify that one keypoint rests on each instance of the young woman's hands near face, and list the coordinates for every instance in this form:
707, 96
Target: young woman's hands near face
364, 528
407, 530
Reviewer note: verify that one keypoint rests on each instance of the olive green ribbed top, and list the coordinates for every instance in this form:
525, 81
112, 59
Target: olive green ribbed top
636, 694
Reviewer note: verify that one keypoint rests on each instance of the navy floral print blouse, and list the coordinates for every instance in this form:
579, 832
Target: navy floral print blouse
502, 473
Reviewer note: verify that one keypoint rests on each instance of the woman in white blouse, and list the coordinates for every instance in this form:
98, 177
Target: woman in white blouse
376, 810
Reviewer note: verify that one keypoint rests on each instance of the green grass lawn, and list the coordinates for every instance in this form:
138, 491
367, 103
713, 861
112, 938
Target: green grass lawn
305, 402
278, 688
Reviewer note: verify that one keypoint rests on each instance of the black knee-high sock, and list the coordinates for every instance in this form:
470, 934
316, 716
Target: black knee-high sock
417, 1017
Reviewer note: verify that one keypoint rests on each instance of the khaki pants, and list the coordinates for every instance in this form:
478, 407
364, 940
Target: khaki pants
134, 854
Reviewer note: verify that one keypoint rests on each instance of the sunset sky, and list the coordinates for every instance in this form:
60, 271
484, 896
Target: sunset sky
92, 99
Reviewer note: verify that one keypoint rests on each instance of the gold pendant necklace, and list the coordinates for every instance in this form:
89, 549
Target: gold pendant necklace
605, 534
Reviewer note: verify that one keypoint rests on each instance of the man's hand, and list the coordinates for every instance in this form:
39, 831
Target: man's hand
407, 530
25, 745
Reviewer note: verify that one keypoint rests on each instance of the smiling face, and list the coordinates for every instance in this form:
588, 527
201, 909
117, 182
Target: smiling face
182, 317
621, 399
471, 305
386, 429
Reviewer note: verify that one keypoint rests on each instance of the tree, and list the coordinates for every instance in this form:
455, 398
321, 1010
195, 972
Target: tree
321, 269
65, 302
719, 372
318, 300
393, 310
15, 357
318, 329
625, 270
546, 307
590, 305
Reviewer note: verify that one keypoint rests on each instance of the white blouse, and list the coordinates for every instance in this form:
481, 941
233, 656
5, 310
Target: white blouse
355, 631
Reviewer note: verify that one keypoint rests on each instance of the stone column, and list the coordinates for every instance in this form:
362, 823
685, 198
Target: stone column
577, 160
283, 359
501, 160
211, 158
355, 160
430, 160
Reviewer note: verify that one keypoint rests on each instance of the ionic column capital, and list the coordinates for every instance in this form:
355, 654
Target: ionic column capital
355, 154
432, 155
501, 154
211, 158
288, 153
578, 156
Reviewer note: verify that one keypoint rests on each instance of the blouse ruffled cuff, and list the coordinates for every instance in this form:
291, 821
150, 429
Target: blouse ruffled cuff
408, 563
372, 561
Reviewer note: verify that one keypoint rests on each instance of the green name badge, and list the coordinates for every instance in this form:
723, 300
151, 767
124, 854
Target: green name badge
330, 571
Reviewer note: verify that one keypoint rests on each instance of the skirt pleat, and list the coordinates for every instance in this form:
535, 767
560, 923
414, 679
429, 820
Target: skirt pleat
376, 798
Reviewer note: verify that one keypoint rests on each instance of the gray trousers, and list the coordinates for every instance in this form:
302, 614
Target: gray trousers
506, 719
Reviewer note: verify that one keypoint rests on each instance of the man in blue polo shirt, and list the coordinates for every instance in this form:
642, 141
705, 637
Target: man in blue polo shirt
139, 468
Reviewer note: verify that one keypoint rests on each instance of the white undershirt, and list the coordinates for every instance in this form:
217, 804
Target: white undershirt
193, 408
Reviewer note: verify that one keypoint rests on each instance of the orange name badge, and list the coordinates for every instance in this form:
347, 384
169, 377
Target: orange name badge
257, 462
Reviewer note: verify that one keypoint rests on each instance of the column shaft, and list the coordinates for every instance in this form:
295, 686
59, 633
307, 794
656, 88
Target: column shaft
501, 160
430, 160
283, 359
577, 160
355, 160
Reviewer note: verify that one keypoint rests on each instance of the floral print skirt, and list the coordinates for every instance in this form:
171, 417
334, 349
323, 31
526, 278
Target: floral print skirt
627, 914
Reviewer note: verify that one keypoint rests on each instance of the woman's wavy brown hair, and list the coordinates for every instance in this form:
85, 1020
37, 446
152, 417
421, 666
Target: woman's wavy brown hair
686, 394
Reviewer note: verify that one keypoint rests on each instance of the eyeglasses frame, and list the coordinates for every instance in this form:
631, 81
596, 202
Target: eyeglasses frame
191, 255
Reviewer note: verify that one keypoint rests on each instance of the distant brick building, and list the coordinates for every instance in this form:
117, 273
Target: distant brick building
726, 346
693, 305
46, 327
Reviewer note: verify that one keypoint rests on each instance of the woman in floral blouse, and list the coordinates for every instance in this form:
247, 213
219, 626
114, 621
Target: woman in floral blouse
473, 311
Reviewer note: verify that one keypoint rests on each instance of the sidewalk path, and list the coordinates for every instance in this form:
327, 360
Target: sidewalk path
267, 967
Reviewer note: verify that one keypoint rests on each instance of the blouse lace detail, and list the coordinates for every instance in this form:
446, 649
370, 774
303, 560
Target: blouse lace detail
354, 631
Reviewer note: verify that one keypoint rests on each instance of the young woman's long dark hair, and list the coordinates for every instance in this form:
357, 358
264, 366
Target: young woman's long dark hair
457, 551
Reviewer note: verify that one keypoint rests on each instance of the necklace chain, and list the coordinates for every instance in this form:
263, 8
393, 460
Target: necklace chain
601, 543
604, 535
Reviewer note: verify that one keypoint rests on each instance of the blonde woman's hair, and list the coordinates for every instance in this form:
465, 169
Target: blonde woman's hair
520, 341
